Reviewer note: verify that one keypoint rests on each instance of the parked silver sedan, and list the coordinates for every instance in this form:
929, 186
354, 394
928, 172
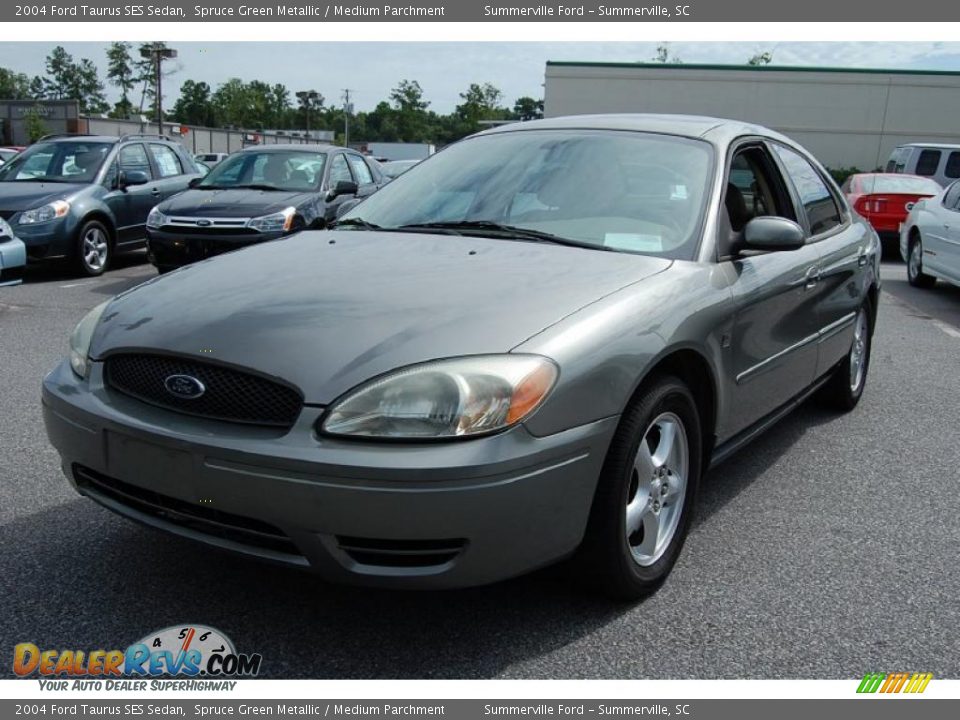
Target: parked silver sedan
930, 239
527, 348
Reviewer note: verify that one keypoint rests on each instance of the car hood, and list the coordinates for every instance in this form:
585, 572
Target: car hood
328, 310
240, 203
23, 195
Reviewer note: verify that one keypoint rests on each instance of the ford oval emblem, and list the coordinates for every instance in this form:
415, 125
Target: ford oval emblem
204, 223
184, 386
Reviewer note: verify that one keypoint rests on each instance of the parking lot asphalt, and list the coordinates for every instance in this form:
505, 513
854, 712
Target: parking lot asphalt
826, 549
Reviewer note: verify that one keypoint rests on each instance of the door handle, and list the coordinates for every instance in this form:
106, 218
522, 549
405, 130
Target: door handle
812, 277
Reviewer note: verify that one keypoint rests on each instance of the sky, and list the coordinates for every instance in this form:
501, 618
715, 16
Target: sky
445, 69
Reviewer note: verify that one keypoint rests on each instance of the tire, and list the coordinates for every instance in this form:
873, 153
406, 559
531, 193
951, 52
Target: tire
94, 249
843, 391
915, 274
631, 566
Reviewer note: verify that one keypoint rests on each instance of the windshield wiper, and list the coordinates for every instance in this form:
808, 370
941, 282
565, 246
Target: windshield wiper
495, 229
255, 186
358, 223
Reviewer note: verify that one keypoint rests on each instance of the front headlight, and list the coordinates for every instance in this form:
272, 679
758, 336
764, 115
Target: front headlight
461, 397
80, 340
50, 211
276, 222
156, 219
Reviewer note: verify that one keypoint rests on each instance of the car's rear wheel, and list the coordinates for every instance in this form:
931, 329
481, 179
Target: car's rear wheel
93, 248
646, 493
844, 389
915, 274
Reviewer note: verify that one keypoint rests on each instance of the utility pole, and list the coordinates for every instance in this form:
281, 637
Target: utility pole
158, 54
347, 109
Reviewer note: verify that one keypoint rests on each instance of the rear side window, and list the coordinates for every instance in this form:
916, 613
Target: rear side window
168, 164
928, 162
953, 165
951, 196
817, 200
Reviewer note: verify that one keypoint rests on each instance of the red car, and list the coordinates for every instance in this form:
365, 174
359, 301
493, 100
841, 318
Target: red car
885, 199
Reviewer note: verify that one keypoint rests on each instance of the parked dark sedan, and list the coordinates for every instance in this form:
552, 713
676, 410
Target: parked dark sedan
258, 194
529, 347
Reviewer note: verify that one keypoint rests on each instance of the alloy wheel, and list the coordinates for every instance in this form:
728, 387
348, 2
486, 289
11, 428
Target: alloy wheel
858, 352
95, 249
657, 489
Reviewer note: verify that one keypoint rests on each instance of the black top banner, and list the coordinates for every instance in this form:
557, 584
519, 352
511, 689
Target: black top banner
483, 11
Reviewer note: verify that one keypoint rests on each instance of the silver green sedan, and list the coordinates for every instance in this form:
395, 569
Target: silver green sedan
528, 348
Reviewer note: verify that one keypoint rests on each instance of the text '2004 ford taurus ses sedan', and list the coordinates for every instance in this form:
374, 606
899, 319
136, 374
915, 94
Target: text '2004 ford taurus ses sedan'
529, 347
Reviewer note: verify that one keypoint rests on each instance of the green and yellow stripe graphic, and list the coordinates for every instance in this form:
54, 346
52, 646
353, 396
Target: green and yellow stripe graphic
894, 682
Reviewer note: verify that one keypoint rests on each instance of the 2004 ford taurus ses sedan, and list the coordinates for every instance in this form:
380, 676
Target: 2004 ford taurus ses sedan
530, 347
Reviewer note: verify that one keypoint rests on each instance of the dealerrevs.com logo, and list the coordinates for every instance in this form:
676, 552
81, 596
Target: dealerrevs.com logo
909, 683
184, 651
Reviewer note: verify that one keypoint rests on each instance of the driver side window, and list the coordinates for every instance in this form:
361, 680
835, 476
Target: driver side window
754, 188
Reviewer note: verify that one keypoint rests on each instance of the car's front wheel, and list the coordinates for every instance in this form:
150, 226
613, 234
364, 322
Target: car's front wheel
93, 248
646, 493
915, 274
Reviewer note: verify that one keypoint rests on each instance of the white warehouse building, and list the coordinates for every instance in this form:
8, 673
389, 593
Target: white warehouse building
845, 117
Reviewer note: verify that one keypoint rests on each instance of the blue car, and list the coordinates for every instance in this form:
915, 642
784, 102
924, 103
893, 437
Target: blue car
84, 197
13, 256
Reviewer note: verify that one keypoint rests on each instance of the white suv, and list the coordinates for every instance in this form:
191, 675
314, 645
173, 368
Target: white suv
933, 160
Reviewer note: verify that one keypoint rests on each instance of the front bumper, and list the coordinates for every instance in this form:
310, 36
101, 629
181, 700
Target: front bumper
13, 261
424, 515
47, 241
168, 249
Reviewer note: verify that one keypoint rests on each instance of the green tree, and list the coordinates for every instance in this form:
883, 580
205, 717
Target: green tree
85, 86
409, 110
60, 71
70, 80
34, 125
526, 108
13, 85
194, 106
761, 58
121, 73
665, 56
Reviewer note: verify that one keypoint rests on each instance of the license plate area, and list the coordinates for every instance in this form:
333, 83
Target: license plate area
149, 466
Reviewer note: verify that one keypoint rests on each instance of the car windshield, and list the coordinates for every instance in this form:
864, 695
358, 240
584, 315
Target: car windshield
899, 184
268, 170
74, 161
623, 191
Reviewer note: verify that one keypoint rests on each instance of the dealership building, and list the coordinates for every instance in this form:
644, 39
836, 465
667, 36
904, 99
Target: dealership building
846, 117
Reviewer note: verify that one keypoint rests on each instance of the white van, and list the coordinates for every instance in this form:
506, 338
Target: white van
933, 160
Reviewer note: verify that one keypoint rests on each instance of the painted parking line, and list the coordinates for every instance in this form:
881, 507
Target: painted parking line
948, 329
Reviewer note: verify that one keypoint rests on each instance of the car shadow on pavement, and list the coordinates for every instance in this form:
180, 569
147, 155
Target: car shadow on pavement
79, 577
62, 271
727, 480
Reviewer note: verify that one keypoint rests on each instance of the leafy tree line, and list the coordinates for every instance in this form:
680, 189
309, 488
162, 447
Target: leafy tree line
404, 116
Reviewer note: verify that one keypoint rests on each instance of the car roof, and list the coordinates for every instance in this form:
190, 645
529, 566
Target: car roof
718, 130
286, 147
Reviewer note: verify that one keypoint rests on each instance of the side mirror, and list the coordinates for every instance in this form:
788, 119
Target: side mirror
344, 187
194, 182
773, 233
132, 177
